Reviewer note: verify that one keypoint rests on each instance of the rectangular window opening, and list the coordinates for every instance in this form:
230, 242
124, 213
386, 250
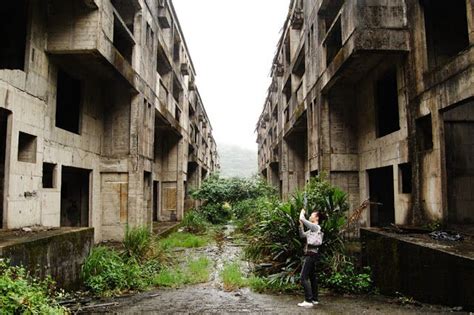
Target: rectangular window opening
49, 174
287, 52
177, 114
123, 40
424, 133
126, 9
386, 98
333, 42
300, 65
177, 50
405, 178
68, 102
162, 65
328, 12
446, 29
177, 90
13, 27
27, 147
287, 91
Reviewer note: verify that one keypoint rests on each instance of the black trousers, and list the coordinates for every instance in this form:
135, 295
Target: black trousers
309, 279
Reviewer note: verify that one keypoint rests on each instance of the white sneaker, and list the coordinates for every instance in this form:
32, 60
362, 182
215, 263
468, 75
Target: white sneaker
305, 304
315, 302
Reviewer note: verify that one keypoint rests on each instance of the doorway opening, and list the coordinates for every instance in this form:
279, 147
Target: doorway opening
459, 132
156, 199
147, 195
3, 144
382, 210
74, 197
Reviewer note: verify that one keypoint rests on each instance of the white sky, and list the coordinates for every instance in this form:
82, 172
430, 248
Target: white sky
232, 44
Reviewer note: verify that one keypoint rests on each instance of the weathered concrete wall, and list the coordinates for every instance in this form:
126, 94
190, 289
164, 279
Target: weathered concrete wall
427, 270
348, 49
59, 253
121, 94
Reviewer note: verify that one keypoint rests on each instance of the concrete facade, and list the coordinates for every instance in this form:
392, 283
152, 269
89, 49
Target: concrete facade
378, 95
101, 122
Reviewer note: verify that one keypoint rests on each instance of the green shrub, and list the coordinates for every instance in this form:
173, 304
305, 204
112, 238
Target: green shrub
216, 192
22, 294
215, 213
194, 222
273, 232
348, 280
138, 242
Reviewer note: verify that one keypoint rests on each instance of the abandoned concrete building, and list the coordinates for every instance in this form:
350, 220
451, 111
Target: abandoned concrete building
378, 95
101, 123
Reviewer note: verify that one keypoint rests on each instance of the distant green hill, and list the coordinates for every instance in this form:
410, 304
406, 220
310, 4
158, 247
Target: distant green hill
237, 161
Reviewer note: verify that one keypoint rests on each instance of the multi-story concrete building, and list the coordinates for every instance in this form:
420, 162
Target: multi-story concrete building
379, 96
101, 123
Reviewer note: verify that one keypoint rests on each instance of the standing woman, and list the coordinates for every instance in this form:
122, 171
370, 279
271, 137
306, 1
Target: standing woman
308, 272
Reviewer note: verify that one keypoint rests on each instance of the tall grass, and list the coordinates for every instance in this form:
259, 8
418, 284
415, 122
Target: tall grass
105, 272
232, 277
195, 221
138, 242
194, 271
185, 240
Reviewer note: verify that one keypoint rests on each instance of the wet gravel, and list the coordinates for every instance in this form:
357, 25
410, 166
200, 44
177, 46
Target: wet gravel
210, 297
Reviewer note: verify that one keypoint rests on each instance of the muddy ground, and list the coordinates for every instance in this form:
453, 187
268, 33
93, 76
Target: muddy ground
211, 298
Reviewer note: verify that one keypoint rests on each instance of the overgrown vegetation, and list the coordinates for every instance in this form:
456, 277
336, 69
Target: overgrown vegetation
194, 271
271, 228
185, 240
22, 294
142, 262
195, 222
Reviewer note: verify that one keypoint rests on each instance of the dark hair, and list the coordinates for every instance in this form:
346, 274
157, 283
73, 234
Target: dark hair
321, 216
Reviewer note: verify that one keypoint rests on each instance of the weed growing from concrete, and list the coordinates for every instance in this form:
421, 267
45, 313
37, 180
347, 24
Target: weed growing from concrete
232, 277
193, 272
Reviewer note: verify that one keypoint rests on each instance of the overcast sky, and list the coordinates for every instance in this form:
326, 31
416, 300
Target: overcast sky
232, 44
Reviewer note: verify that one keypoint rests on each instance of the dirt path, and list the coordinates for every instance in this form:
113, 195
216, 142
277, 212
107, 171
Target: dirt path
210, 298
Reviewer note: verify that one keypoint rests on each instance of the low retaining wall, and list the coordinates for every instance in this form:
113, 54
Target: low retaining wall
416, 266
59, 252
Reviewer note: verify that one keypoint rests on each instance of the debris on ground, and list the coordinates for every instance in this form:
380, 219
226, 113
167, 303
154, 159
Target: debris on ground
446, 236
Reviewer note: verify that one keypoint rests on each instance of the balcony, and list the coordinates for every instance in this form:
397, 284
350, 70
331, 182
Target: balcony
359, 34
93, 37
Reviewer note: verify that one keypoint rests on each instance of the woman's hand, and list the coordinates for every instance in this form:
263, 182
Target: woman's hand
302, 214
